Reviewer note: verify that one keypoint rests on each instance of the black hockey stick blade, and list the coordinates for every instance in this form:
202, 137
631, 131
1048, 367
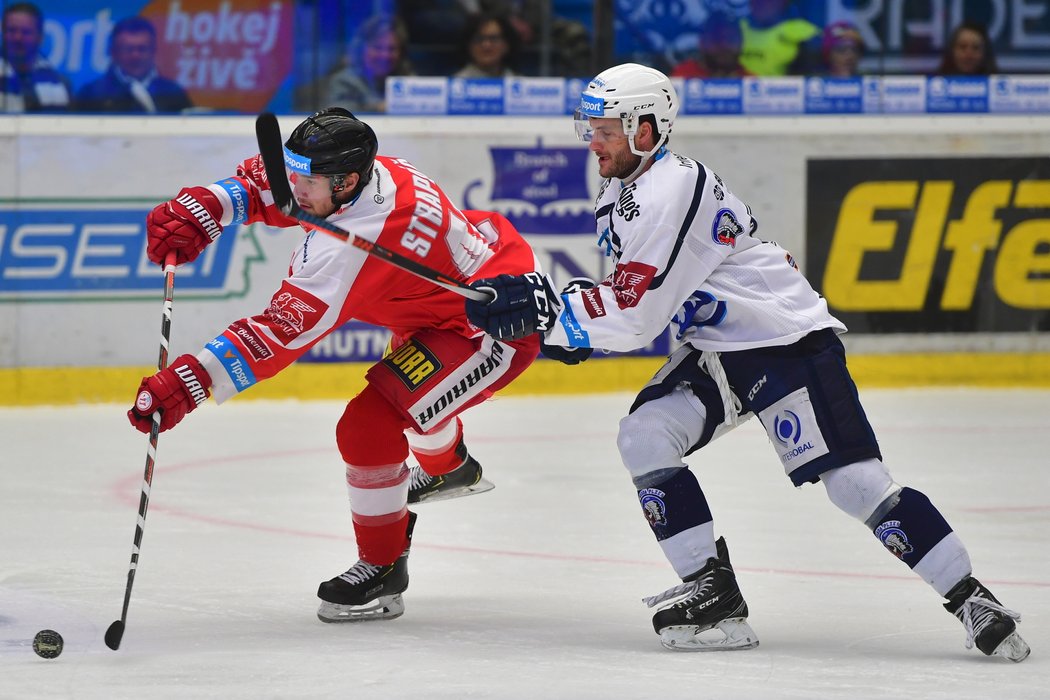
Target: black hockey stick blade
271, 147
114, 634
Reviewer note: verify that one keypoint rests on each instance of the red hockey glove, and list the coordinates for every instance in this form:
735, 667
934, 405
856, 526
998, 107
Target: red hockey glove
176, 391
186, 225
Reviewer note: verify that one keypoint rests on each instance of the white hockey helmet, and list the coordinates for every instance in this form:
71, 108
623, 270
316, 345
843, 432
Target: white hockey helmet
629, 91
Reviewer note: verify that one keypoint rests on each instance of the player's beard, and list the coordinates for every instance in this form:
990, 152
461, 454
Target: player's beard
622, 165
323, 208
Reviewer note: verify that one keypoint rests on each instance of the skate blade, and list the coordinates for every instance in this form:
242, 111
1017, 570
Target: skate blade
481, 486
731, 634
1013, 648
382, 608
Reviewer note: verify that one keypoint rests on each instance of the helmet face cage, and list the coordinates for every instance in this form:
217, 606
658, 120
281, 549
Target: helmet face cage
628, 92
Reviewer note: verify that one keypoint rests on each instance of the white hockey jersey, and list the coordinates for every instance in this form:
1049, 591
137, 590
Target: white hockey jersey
686, 255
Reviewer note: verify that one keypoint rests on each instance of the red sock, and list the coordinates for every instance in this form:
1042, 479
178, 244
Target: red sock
438, 451
382, 544
442, 463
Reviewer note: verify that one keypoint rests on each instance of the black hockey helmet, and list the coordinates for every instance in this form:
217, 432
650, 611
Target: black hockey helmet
334, 142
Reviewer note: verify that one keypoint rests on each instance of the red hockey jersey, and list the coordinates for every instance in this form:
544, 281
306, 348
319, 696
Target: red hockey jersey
330, 281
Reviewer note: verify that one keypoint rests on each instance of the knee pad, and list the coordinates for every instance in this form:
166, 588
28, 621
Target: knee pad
371, 431
656, 436
864, 490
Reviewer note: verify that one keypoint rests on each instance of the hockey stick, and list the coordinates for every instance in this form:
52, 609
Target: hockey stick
116, 631
268, 134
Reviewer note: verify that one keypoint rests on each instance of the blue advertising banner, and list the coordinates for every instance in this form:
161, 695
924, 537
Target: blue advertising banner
955, 94
417, 96
540, 189
773, 96
834, 96
475, 96
354, 341
895, 95
717, 96
791, 95
1020, 94
535, 96
85, 251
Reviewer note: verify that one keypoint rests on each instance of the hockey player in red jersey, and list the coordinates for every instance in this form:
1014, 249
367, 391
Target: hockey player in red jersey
439, 364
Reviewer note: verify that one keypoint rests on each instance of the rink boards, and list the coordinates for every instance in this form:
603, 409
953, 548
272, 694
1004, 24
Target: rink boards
929, 236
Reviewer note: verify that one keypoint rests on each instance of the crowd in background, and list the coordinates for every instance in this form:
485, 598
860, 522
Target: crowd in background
131, 84
460, 38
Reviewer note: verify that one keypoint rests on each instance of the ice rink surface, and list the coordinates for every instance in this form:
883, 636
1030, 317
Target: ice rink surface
530, 591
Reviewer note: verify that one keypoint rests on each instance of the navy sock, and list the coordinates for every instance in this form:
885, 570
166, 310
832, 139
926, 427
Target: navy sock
912, 527
674, 505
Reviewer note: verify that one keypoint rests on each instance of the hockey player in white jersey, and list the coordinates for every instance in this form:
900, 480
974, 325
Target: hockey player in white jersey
756, 339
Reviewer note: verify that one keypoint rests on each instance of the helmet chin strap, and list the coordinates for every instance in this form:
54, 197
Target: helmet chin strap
646, 157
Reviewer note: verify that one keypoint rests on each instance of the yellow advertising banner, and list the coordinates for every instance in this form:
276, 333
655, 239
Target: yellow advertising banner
933, 244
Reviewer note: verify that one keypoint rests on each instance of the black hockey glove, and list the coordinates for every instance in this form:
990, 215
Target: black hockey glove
523, 305
569, 356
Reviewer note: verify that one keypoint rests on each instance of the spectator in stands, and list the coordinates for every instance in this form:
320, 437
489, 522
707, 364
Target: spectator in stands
841, 49
968, 52
490, 48
777, 40
720, 44
28, 82
378, 51
568, 46
132, 83
565, 51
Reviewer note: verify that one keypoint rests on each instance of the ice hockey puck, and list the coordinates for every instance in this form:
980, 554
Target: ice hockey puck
47, 644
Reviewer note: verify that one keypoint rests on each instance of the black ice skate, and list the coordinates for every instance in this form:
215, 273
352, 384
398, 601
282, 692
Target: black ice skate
988, 624
366, 591
464, 480
710, 615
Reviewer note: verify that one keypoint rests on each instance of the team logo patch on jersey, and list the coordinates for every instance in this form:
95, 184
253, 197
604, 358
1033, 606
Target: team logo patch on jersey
253, 342
894, 538
412, 363
592, 302
726, 228
292, 312
630, 282
653, 506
